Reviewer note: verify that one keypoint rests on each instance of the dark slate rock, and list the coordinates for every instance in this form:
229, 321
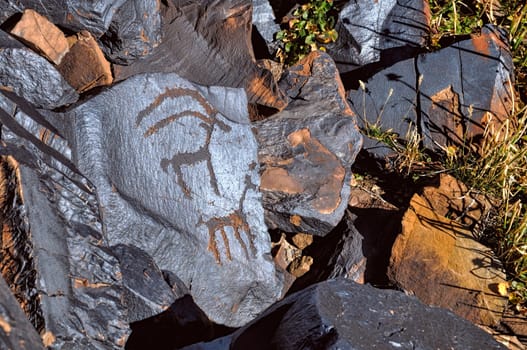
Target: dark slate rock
180, 325
209, 43
32, 76
205, 42
76, 15
341, 314
146, 291
444, 95
306, 151
77, 280
134, 32
176, 174
369, 30
15, 330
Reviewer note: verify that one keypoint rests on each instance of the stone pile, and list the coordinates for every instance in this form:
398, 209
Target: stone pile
162, 187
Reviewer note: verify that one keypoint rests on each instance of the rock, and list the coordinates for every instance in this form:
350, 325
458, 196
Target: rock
465, 273
75, 15
446, 96
192, 203
371, 31
70, 282
182, 324
265, 25
32, 76
41, 35
215, 49
146, 291
134, 32
340, 314
306, 151
85, 66
15, 330
302, 240
338, 254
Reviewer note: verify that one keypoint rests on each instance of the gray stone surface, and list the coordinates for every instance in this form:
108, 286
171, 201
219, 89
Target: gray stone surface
178, 178
32, 76
146, 291
76, 278
340, 314
444, 95
15, 330
76, 15
368, 30
264, 21
306, 151
206, 42
134, 32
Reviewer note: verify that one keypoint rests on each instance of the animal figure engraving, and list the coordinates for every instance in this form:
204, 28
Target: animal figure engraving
216, 226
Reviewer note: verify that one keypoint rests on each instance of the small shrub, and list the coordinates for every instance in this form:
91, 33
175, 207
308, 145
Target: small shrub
311, 26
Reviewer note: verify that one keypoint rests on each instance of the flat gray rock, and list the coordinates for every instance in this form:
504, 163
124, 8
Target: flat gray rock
445, 95
369, 30
176, 174
32, 76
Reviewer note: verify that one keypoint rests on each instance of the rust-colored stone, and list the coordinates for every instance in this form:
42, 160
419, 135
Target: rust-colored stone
278, 179
85, 67
300, 266
440, 262
302, 240
41, 35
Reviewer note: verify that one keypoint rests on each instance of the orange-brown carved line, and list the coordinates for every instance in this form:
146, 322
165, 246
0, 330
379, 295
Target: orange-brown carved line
226, 243
175, 92
166, 121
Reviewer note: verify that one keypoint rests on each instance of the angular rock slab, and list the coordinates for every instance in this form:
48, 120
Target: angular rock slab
146, 291
134, 32
442, 264
177, 176
42, 35
340, 314
76, 15
63, 270
264, 20
215, 49
306, 151
32, 76
447, 96
15, 330
369, 31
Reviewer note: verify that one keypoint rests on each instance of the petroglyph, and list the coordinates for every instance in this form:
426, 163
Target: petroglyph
208, 122
206, 118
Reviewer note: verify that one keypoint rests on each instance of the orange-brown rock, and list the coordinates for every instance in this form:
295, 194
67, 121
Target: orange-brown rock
306, 150
440, 262
85, 66
41, 35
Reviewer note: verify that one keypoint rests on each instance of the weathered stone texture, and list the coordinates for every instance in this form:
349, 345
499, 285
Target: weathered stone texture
76, 15
306, 151
77, 279
15, 330
134, 32
32, 76
446, 96
176, 175
440, 262
340, 314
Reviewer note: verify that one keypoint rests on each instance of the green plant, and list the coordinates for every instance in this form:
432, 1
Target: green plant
310, 27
